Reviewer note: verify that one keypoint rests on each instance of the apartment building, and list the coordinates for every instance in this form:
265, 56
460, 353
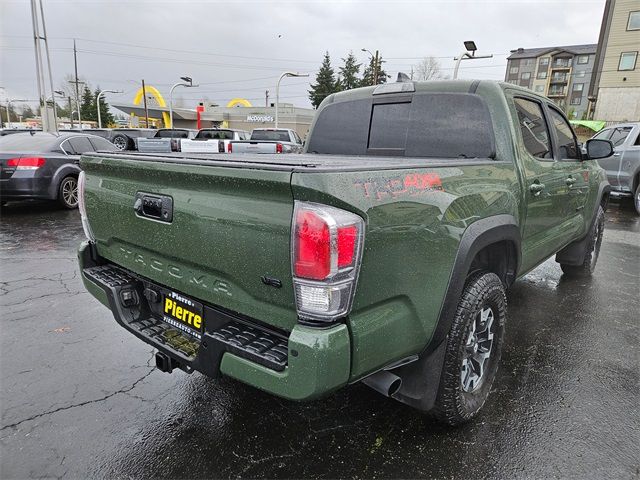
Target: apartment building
561, 73
616, 84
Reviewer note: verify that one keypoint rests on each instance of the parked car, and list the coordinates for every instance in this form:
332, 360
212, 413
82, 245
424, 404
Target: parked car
269, 140
11, 131
45, 165
623, 167
122, 138
165, 140
202, 141
381, 257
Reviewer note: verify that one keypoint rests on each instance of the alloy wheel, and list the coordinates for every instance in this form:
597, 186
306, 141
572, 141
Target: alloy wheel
120, 143
70, 192
477, 350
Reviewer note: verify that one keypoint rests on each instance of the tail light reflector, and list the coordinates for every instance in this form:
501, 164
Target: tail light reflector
278, 148
26, 163
327, 248
229, 148
82, 207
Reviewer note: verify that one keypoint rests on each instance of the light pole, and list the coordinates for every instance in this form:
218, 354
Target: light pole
285, 74
470, 46
375, 65
189, 84
98, 103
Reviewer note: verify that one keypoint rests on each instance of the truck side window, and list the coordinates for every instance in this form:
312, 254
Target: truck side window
603, 134
620, 135
535, 132
567, 143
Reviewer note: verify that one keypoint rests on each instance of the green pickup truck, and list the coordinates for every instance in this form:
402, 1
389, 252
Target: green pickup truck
381, 254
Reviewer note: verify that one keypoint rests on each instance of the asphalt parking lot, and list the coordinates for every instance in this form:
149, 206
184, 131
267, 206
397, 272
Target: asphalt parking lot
80, 397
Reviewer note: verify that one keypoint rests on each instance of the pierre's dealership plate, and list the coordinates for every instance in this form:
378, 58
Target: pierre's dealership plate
183, 313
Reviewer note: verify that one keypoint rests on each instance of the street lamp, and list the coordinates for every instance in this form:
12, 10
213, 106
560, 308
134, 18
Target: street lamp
375, 65
189, 84
470, 46
98, 103
285, 74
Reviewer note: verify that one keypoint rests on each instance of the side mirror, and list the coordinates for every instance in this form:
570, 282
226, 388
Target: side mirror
598, 148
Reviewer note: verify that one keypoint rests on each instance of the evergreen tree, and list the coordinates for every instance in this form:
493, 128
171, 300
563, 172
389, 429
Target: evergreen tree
27, 112
105, 114
367, 76
325, 82
88, 106
349, 72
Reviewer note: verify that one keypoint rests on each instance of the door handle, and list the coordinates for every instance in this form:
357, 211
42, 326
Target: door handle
536, 188
570, 181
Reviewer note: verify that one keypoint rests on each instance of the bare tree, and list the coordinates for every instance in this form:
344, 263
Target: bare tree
428, 69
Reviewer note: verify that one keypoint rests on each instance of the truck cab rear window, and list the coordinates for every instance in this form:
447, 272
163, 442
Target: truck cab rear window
437, 125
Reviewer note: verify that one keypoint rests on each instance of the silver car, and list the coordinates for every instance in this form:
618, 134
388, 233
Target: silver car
623, 167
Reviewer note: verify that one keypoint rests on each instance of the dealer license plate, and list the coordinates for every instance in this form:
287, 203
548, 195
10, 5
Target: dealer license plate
183, 313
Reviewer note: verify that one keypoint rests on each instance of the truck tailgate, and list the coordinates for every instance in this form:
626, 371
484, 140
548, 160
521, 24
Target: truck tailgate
230, 228
253, 146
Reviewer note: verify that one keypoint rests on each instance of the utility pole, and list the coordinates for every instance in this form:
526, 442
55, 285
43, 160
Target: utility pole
70, 111
375, 69
36, 45
46, 47
146, 110
77, 82
266, 98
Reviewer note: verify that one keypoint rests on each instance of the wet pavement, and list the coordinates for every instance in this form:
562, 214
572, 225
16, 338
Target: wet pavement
79, 397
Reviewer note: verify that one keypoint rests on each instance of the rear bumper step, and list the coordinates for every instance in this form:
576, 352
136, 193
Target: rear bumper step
222, 333
302, 364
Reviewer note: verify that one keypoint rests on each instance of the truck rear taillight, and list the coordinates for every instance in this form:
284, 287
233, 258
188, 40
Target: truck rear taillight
278, 148
82, 207
229, 148
26, 163
327, 248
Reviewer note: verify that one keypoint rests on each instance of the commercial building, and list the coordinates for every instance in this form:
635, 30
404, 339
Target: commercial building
616, 83
561, 73
237, 117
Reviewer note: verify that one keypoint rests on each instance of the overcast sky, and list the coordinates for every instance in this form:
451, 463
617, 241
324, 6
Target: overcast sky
239, 48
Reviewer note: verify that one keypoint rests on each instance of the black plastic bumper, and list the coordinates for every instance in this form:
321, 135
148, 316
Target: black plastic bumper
132, 303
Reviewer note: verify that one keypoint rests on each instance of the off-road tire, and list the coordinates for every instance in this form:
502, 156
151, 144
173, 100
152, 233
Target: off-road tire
66, 196
453, 404
593, 250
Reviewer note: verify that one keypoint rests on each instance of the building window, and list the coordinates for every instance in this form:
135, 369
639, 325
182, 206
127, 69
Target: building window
539, 88
542, 75
525, 76
576, 100
582, 59
562, 62
628, 61
634, 21
556, 90
544, 61
526, 62
513, 82
578, 87
513, 70
580, 74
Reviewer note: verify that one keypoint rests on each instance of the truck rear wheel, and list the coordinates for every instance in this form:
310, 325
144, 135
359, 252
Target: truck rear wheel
121, 141
473, 350
593, 250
